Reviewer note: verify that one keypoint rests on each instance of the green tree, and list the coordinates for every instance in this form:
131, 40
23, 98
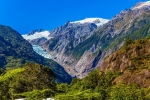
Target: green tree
126, 92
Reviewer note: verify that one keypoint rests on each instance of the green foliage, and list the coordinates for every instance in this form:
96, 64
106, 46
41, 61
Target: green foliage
5, 80
69, 47
126, 92
94, 87
2, 71
99, 86
39, 94
84, 95
61, 74
127, 42
14, 62
11, 74
140, 33
139, 29
62, 88
26, 79
147, 93
85, 45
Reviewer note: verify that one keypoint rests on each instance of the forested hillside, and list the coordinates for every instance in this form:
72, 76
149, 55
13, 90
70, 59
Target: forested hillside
124, 75
15, 51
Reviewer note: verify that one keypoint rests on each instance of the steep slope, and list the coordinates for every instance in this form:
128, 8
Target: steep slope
12, 44
132, 60
16, 51
90, 53
63, 39
67, 37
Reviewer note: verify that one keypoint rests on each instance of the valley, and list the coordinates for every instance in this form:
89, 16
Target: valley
89, 59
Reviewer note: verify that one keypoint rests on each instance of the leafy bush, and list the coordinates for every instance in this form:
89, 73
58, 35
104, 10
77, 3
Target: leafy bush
29, 78
126, 92
39, 94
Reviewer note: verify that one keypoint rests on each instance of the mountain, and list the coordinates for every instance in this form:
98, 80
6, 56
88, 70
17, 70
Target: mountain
15, 51
97, 21
64, 38
81, 47
36, 31
77, 26
79, 60
141, 5
14, 46
124, 75
37, 36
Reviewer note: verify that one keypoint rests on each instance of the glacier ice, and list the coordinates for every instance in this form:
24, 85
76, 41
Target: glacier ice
41, 51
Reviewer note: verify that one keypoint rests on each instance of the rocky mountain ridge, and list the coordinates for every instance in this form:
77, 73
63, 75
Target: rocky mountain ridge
38, 36
80, 53
110, 37
67, 36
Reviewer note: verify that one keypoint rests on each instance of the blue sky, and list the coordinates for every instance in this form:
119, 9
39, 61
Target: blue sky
27, 15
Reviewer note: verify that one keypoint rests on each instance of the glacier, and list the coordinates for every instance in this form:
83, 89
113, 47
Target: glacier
41, 51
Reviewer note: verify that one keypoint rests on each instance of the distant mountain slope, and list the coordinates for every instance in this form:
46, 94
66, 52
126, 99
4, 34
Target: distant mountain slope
66, 37
90, 53
16, 51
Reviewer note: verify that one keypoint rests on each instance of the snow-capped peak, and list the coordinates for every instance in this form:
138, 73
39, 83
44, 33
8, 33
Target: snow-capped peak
141, 5
97, 21
37, 35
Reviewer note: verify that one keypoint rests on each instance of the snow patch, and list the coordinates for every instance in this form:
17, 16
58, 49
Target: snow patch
141, 5
37, 35
97, 21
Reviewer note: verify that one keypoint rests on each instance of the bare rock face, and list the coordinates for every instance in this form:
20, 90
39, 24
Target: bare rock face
111, 36
65, 39
34, 31
38, 41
